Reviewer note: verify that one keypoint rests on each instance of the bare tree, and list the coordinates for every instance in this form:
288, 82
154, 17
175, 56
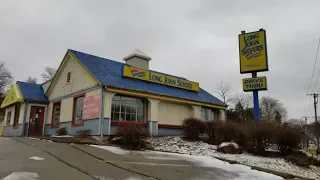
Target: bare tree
5, 77
272, 109
32, 80
48, 73
244, 98
223, 90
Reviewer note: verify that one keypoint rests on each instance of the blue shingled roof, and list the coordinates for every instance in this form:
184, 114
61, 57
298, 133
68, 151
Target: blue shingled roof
109, 73
32, 92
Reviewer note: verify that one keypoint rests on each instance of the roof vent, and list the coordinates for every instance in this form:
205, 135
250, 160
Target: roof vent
138, 59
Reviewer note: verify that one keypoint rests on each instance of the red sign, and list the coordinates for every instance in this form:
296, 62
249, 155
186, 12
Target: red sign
91, 107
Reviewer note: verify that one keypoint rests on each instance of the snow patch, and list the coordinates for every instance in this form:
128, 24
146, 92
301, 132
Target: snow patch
228, 143
33, 138
36, 158
160, 158
62, 136
178, 145
21, 176
115, 150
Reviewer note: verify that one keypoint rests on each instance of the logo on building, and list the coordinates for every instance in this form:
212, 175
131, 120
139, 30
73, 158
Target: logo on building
135, 73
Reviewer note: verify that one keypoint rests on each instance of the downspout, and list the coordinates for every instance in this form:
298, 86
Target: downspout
24, 130
101, 112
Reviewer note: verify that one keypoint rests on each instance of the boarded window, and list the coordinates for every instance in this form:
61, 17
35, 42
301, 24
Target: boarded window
78, 109
8, 117
56, 114
16, 115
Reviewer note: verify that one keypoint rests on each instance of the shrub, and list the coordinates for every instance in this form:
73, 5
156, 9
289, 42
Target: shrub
132, 136
61, 131
192, 128
301, 159
260, 136
83, 133
287, 139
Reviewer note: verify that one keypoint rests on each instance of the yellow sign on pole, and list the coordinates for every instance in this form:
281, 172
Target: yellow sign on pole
251, 84
253, 52
150, 76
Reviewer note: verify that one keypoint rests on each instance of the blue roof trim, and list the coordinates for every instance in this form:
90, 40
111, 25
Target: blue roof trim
32, 92
109, 73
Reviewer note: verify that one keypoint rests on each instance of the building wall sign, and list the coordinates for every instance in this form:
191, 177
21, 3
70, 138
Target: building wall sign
253, 52
91, 107
150, 76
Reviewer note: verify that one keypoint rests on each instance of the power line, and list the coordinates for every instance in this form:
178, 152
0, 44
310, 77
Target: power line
314, 67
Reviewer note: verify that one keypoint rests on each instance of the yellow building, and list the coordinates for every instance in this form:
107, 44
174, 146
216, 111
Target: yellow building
90, 92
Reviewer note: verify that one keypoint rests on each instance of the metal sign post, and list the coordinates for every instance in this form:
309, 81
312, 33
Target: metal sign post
256, 108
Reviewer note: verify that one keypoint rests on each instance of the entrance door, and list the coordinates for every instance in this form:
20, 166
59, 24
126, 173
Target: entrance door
36, 121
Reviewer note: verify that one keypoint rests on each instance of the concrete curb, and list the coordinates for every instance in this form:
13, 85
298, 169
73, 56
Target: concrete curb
281, 174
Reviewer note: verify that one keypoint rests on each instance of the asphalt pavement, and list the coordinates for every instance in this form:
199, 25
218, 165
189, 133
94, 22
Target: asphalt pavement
38, 159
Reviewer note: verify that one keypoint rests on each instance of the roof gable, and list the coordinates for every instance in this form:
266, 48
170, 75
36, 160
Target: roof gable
58, 74
109, 73
32, 92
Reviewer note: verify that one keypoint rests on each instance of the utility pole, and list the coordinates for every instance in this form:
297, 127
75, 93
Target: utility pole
315, 102
306, 132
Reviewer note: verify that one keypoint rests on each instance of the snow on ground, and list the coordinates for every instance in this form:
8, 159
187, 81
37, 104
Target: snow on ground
112, 149
276, 164
243, 171
178, 145
21, 176
36, 158
227, 144
62, 136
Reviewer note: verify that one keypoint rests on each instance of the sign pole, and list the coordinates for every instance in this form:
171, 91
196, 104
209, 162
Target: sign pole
256, 107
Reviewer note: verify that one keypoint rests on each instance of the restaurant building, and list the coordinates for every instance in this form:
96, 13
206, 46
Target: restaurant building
90, 92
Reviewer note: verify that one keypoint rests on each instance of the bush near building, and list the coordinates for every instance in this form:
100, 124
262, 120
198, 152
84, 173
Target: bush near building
61, 131
193, 128
83, 133
132, 136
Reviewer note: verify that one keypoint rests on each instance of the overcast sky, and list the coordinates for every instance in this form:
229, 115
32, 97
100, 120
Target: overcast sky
196, 39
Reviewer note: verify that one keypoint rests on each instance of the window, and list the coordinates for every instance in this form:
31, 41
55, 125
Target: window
56, 114
8, 118
207, 114
77, 110
128, 109
16, 115
68, 77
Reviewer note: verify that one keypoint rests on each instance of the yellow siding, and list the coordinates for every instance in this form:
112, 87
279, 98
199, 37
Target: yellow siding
8, 109
173, 113
79, 80
66, 110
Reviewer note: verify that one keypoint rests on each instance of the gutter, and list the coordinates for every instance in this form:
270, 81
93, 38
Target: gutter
101, 118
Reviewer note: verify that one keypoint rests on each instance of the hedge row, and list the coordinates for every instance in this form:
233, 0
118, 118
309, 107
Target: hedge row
255, 137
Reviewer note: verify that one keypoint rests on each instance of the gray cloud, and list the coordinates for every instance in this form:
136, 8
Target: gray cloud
194, 39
